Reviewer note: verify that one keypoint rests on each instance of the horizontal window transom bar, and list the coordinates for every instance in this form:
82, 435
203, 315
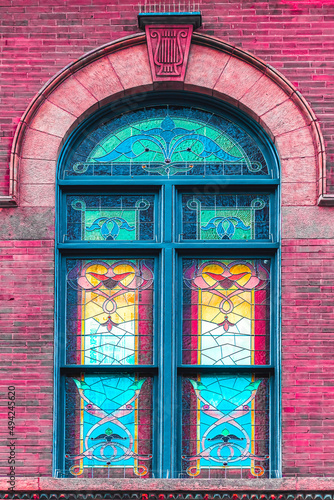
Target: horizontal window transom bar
74, 369
220, 369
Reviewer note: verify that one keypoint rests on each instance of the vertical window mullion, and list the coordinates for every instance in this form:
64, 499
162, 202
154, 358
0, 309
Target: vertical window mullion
167, 374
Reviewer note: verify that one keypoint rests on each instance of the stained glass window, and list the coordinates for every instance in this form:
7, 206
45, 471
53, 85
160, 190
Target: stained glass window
168, 277
167, 141
225, 217
109, 318
225, 426
109, 425
226, 311
110, 217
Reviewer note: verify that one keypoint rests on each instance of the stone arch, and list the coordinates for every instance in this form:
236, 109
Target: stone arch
122, 68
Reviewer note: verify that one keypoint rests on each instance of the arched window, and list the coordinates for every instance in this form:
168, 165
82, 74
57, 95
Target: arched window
168, 331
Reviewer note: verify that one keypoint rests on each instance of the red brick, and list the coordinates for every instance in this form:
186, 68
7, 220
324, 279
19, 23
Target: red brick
294, 38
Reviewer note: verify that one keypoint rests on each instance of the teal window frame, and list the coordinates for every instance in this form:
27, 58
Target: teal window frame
168, 368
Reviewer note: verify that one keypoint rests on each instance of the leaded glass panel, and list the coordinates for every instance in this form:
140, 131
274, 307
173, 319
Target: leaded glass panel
225, 426
167, 141
226, 312
110, 217
217, 405
225, 217
108, 425
109, 312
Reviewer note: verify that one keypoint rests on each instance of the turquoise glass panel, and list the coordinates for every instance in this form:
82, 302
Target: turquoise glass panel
225, 427
108, 427
110, 217
225, 217
167, 141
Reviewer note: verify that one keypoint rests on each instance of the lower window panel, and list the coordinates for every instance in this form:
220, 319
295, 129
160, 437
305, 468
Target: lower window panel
108, 427
225, 426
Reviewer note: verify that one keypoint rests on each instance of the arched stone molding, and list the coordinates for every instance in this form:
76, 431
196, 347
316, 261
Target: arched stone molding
122, 68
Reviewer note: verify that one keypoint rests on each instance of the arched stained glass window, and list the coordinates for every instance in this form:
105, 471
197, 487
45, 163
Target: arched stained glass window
167, 248
167, 141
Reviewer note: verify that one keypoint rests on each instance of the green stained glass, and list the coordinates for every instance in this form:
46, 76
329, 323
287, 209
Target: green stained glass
225, 217
110, 217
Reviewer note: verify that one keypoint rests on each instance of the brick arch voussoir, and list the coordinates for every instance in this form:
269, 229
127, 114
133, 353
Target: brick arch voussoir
122, 68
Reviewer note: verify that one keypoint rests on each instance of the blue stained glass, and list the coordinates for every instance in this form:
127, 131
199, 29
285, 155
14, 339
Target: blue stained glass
225, 217
167, 141
225, 431
108, 426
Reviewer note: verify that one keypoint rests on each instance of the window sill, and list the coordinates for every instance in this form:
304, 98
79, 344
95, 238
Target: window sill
167, 488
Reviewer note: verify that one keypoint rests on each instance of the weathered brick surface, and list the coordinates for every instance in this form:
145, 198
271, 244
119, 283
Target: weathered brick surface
38, 39
307, 357
26, 354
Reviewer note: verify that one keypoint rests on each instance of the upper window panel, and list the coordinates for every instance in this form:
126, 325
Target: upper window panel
110, 217
166, 141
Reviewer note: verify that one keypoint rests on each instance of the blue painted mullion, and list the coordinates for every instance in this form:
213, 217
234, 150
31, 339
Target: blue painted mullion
167, 375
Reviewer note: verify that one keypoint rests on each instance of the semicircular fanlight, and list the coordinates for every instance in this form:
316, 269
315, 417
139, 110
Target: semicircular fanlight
167, 141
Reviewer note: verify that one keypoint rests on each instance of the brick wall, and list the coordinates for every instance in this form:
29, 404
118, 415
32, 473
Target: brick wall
26, 354
307, 357
37, 41
39, 38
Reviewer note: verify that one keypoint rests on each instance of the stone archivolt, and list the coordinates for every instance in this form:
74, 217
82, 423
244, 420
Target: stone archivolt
214, 68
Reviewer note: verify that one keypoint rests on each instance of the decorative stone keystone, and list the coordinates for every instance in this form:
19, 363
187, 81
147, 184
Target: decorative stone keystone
168, 41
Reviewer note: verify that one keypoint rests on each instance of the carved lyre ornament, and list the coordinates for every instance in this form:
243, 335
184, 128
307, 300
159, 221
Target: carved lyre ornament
168, 48
168, 55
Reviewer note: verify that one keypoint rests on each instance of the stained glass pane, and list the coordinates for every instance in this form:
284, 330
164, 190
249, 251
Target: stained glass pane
226, 312
225, 217
167, 141
110, 217
225, 426
109, 315
108, 426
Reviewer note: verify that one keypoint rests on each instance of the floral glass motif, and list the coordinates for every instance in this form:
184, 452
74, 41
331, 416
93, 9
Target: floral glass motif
225, 428
110, 217
108, 426
225, 217
109, 318
167, 141
226, 312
